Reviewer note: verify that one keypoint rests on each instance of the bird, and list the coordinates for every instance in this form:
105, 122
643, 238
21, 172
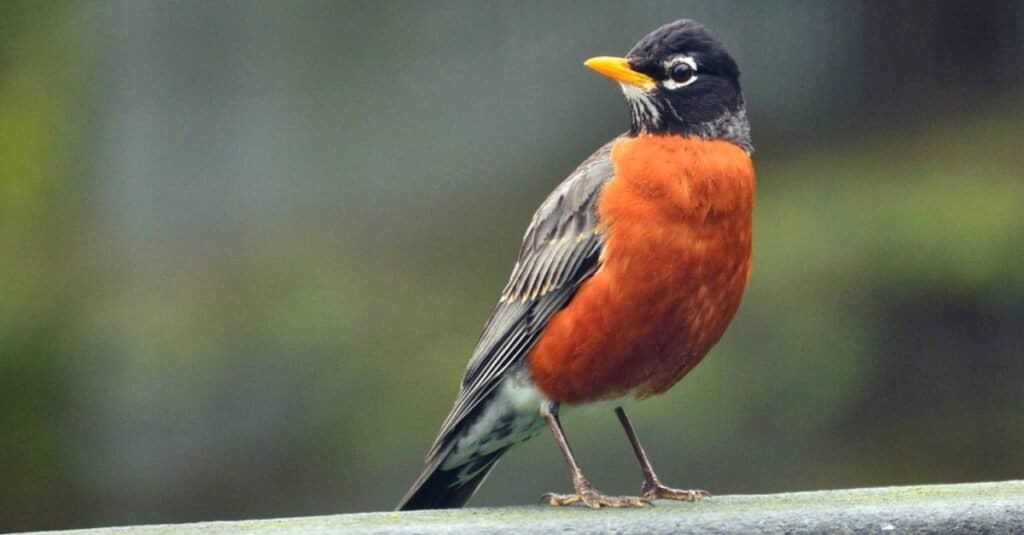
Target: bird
629, 272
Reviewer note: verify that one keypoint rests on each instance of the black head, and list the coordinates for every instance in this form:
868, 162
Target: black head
681, 80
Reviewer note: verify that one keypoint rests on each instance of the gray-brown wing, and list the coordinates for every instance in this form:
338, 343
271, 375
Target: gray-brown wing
560, 250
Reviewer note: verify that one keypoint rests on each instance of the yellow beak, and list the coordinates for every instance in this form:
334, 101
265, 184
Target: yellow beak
618, 69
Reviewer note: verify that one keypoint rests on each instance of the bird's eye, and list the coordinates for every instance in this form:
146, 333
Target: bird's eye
682, 73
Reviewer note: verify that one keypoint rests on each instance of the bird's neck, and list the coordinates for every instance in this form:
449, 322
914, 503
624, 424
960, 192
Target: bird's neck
731, 126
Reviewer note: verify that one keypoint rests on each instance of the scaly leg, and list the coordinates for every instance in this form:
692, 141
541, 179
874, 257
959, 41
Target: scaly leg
585, 492
652, 488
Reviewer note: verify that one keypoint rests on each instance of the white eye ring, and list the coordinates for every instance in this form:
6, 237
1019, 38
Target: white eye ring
671, 84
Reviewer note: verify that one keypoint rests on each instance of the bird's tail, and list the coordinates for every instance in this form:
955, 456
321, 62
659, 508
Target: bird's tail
461, 460
442, 487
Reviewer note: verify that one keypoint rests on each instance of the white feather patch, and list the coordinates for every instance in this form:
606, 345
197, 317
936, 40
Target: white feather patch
643, 108
511, 417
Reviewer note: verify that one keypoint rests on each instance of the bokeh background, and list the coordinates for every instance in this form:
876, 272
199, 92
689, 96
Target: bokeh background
247, 247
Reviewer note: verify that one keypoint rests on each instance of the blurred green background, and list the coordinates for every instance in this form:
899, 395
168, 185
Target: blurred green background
249, 245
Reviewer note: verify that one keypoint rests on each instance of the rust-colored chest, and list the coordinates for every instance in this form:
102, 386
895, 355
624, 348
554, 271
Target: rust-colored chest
676, 220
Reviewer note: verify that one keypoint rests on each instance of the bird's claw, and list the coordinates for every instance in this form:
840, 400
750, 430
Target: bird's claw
657, 491
594, 500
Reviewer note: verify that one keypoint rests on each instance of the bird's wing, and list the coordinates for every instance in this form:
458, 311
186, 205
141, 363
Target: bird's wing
560, 250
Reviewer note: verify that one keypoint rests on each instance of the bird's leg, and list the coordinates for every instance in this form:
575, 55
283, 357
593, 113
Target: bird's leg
652, 488
585, 492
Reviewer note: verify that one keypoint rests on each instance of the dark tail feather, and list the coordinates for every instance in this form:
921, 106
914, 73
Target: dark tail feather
441, 489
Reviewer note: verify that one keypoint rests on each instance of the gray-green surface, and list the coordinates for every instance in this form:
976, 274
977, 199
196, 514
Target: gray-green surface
963, 508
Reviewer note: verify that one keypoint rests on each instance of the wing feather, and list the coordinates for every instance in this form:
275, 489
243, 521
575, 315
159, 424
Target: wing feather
561, 249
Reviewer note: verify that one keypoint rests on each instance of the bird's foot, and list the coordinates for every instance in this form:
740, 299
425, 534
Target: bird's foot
594, 499
656, 491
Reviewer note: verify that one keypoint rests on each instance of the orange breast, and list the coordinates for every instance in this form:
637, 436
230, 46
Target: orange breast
676, 219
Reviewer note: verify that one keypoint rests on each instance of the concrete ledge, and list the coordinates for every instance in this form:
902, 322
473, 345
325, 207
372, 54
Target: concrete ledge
963, 508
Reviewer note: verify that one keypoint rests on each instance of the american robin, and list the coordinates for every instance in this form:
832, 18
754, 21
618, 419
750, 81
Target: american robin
629, 273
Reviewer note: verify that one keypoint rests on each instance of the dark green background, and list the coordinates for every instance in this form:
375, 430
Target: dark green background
248, 246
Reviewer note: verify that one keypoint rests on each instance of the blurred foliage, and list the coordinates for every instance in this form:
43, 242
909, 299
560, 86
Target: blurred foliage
40, 210
164, 368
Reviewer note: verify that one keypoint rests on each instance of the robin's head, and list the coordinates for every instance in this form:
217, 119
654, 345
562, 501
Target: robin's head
680, 80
